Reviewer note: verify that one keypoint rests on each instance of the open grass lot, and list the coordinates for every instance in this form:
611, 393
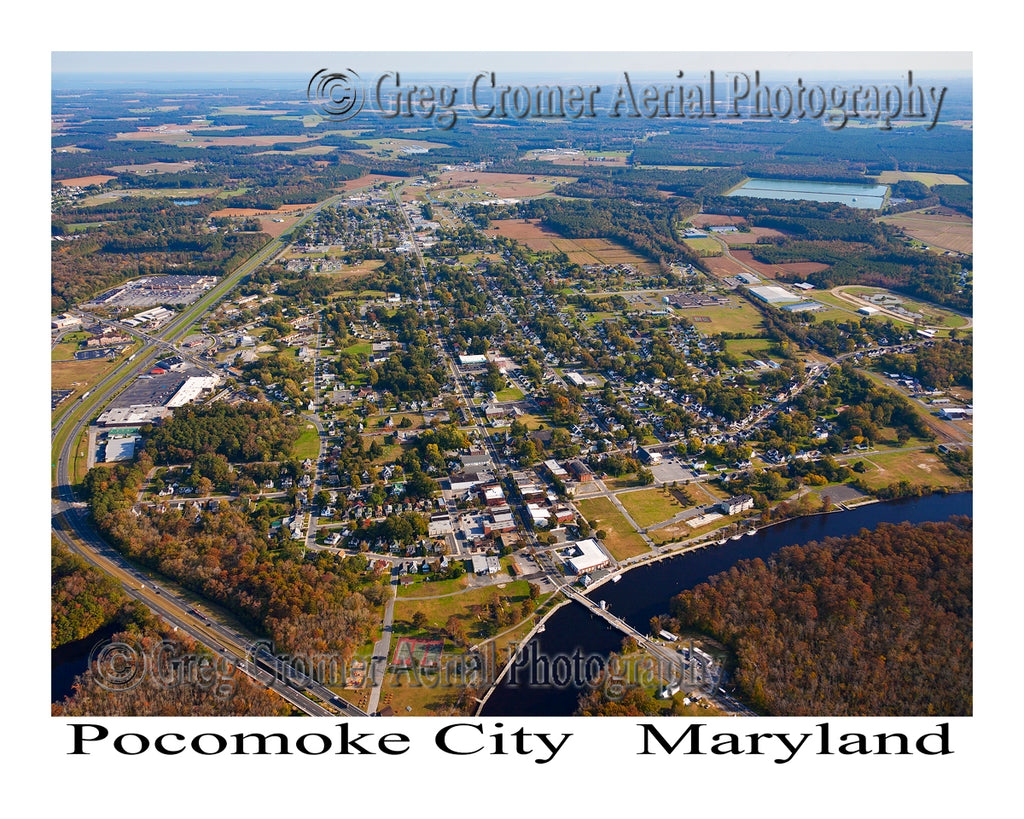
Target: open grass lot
754, 347
308, 443
704, 247
621, 539
740, 317
427, 588
359, 348
77, 375
423, 693
510, 394
944, 231
917, 467
650, 506
437, 610
375, 423
80, 459
840, 305
63, 352
924, 177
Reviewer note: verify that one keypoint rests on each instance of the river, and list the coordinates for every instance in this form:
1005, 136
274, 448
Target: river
644, 592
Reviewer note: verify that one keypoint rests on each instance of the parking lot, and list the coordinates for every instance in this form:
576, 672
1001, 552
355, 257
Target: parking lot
672, 469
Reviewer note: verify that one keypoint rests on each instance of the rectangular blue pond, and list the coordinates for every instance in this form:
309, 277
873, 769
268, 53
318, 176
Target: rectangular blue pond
856, 196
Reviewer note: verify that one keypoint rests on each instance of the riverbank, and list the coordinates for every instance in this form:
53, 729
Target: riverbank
646, 593
704, 541
539, 627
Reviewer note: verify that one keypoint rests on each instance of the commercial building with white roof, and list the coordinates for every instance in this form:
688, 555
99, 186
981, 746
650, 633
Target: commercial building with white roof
590, 558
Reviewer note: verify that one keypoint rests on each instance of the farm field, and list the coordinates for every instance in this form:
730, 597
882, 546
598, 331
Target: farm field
153, 167
393, 147
367, 181
584, 158
85, 181
621, 539
536, 236
149, 193
744, 238
725, 267
944, 231
771, 271
924, 177
702, 220
188, 136
284, 209
309, 150
500, 185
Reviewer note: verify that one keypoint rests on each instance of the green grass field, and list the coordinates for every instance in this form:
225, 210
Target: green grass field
704, 246
621, 539
510, 394
308, 443
918, 467
650, 506
425, 588
438, 610
737, 319
755, 347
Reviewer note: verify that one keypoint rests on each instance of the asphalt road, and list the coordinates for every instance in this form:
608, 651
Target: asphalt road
70, 523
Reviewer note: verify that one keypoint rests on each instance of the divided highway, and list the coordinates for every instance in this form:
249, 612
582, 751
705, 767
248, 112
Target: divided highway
71, 526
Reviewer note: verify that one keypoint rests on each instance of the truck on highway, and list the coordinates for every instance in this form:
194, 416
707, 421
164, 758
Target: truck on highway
86, 394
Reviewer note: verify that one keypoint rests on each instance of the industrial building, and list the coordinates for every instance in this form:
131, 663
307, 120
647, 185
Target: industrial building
772, 294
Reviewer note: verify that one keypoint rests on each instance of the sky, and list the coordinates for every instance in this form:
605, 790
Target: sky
285, 62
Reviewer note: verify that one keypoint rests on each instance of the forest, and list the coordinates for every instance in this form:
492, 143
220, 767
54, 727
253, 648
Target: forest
83, 599
247, 432
879, 623
230, 557
186, 678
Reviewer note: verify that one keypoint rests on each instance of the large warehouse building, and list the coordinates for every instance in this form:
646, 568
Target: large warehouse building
773, 294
